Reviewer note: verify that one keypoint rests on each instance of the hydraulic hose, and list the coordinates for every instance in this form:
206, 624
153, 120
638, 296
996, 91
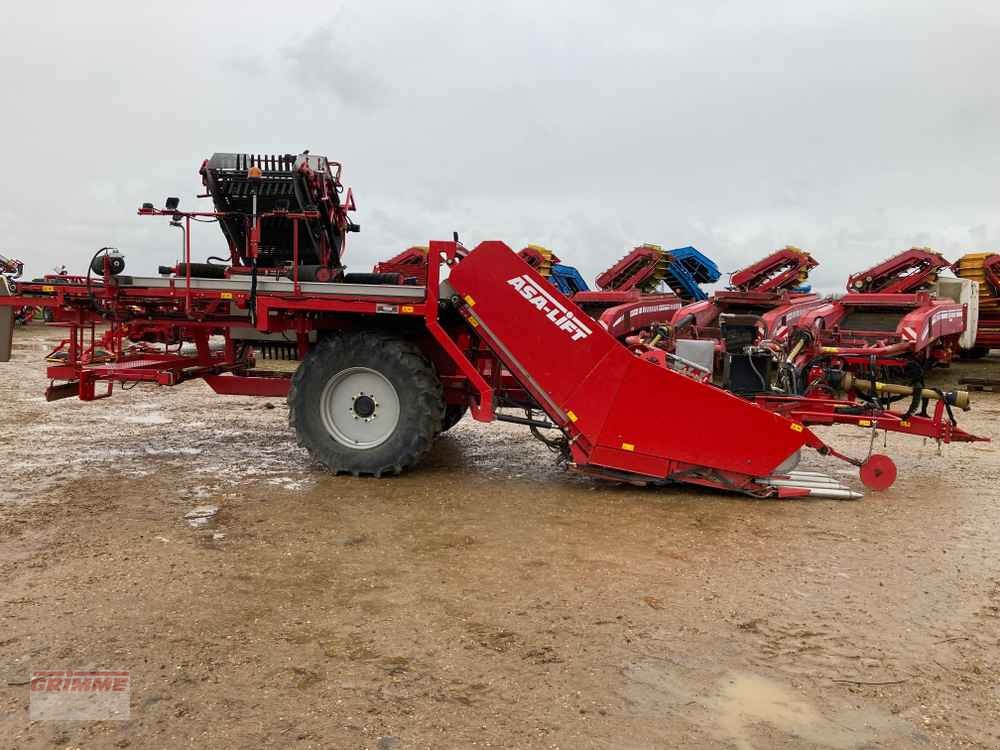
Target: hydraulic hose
951, 398
863, 351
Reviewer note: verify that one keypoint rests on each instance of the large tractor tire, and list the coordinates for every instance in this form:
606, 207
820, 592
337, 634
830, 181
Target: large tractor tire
366, 404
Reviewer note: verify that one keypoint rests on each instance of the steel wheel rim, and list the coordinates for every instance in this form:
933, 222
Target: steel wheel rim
359, 408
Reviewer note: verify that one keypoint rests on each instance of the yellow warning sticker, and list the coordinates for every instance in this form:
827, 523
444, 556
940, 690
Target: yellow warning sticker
469, 301
796, 426
226, 295
904, 423
473, 322
407, 308
48, 288
628, 447
864, 423
571, 415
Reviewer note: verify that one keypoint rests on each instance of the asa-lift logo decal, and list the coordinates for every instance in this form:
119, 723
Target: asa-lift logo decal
554, 311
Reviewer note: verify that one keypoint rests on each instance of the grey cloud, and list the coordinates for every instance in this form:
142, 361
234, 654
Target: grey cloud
852, 129
331, 59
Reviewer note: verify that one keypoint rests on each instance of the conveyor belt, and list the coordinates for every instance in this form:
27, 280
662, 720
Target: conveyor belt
276, 286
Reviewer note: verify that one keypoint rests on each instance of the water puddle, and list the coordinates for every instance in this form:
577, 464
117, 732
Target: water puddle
752, 710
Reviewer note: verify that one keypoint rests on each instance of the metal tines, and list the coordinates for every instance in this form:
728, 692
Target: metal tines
817, 483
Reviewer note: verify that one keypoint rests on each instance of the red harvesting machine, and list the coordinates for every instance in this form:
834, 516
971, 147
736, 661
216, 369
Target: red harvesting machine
891, 320
629, 295
762, 302
770, 290
385, 368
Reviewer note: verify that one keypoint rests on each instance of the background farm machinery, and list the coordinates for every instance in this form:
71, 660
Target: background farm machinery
768, 333
386, 367
563, 277
772, 289
983, 270
897, 320
719, 334
638, 291
409, 266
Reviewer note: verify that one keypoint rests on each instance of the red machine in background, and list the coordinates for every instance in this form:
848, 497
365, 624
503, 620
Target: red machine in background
890, 321
642, 269
908, 272
782, 271
410, 265
564, 278
640, 290
763, 301
540, 258
385, 367
983, 269
771, 289
629, 297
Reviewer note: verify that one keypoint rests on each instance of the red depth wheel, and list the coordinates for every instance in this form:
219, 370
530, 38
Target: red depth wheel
878, 472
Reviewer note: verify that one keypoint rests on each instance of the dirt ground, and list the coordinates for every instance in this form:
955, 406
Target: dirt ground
486, 600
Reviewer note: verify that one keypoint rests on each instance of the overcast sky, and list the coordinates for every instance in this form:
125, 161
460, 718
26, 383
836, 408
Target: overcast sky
851, 129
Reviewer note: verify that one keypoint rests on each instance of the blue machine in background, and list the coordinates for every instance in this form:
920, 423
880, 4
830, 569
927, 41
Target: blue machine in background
687, 269
567, 279
683, 270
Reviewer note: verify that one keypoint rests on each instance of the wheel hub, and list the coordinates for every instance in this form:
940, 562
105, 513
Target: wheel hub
359, 407
364, 406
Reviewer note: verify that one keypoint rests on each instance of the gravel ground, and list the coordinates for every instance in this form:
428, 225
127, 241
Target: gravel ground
487, 599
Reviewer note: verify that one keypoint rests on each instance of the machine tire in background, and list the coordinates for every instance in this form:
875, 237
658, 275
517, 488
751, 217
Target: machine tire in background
366, 403
453, 414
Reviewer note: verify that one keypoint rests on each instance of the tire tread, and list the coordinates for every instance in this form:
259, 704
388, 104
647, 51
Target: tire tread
336, 352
